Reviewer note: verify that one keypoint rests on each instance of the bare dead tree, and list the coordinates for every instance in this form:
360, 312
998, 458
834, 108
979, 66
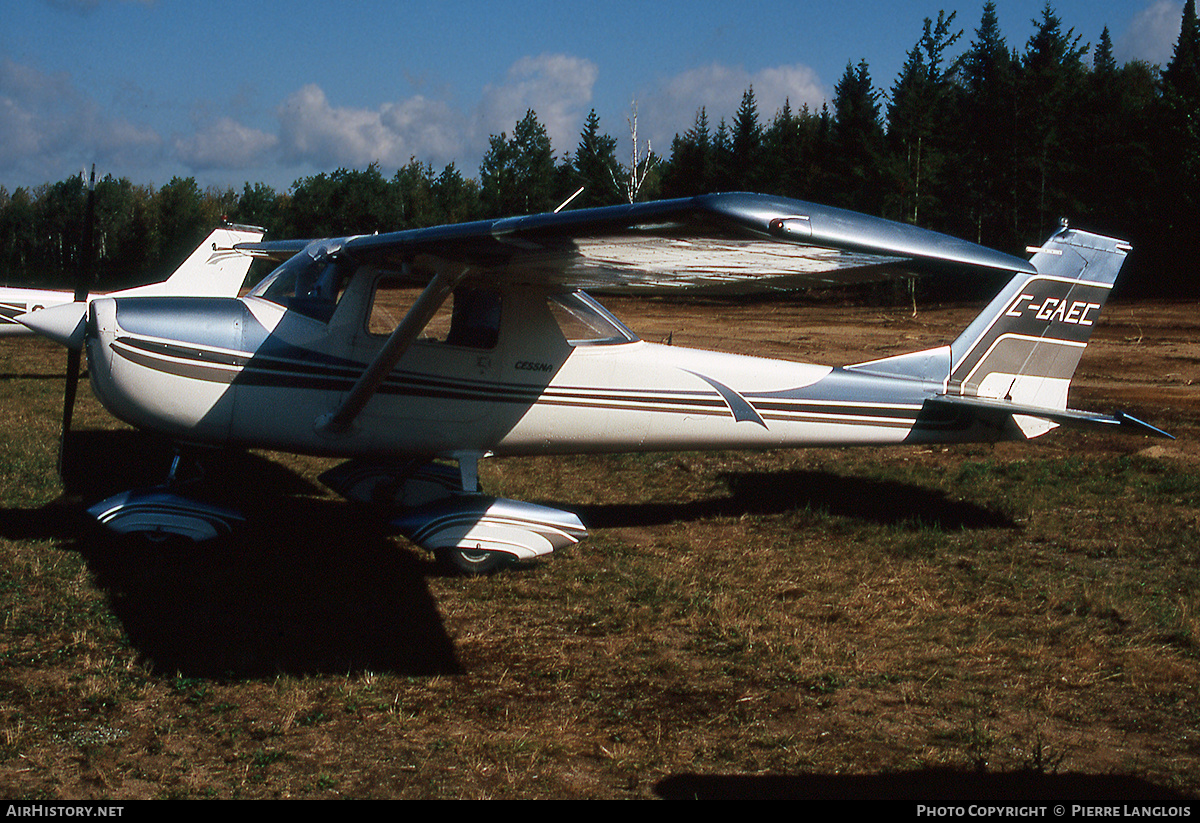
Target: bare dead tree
635, 175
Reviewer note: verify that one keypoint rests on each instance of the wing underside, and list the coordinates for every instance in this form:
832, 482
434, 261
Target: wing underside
699, 263
737, 243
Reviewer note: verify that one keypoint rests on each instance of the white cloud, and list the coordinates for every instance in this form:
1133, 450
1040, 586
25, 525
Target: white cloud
1152, 34
671, 108
557, 87
315, 132
225, 144
48, 126
796, 84
431, 131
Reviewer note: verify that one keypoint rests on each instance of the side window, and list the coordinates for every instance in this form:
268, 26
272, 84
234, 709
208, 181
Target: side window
475, 319
470, 318
584, 322
391, 300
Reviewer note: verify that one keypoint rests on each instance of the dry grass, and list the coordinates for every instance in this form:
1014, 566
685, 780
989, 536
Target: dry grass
977, 622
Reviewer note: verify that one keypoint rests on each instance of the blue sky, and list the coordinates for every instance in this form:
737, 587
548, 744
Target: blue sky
229, 92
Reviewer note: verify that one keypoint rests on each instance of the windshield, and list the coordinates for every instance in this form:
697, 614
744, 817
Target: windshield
306, 283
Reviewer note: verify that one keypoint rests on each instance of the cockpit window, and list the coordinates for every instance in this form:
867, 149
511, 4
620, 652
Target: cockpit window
584, 322
308, 285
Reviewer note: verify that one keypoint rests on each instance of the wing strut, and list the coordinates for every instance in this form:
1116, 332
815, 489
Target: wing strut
426, 305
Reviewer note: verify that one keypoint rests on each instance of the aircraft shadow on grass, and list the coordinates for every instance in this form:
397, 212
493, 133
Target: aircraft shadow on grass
312, 586
881, 502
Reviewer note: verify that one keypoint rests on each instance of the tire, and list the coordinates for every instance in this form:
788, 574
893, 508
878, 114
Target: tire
474, 561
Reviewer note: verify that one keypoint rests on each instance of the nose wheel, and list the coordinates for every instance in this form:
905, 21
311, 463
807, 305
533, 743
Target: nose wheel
160, 513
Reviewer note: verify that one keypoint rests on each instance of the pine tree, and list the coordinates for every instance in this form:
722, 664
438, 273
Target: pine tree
457, 197
18, 237
517, 175
1179, 142
1052, 81
180, 218
690, 168
595, 166
349, 201
919, 119
413, 186
1181, 77
1104, 65
534, 164
858, 137
985, 135
1113, 138
1181, 97
259, 205
722, 158
783, 152
746, 144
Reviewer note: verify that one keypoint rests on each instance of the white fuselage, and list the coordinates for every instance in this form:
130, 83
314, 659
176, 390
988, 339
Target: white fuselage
250, 372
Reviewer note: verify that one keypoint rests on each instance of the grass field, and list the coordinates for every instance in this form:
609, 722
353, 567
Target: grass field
973, 623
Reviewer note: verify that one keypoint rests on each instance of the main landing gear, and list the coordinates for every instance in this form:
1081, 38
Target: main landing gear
443, 510
437, 505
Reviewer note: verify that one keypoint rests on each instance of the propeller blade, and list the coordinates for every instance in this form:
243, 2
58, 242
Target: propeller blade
84, 281
74, 354
72, 384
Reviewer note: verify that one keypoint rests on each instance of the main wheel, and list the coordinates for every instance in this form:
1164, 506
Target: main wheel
474, 561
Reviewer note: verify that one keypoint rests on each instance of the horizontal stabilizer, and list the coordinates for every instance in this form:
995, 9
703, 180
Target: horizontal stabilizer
1000, 414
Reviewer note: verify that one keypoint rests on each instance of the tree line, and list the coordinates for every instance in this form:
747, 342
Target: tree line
994, 146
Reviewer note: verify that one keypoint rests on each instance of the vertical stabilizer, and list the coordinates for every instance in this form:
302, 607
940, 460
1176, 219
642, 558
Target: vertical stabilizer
1025, 346
214, 269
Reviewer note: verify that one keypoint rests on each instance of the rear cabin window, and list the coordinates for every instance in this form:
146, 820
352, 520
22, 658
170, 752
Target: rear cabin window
584, 322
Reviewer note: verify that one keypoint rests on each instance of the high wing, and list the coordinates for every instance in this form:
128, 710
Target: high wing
285, 367
730, 242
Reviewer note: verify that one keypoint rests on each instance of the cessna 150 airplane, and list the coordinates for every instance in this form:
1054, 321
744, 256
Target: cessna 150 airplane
317, 358
214, 269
